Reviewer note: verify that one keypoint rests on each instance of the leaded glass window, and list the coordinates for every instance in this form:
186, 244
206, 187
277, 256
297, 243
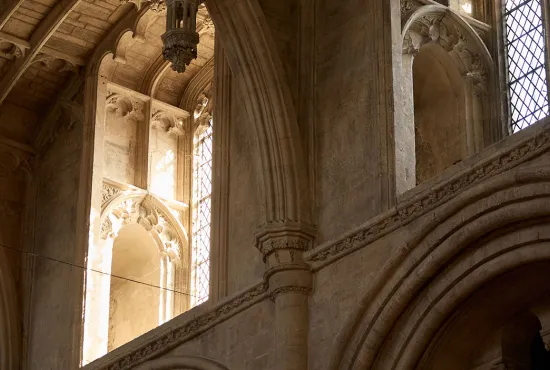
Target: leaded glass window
527, 74
202, 194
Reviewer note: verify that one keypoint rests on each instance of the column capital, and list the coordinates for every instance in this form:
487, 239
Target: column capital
282, 245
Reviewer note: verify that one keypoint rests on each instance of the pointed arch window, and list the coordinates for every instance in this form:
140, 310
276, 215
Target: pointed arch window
202, 205
524, 39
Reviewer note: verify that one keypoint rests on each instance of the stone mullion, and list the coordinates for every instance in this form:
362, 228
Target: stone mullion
142, 149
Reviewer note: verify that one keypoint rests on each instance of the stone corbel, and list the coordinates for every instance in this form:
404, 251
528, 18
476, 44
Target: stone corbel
169, 123
10, 50
130, 108
55, 64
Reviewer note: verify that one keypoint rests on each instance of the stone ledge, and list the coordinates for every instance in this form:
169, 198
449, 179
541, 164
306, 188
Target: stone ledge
178, 330
504, 155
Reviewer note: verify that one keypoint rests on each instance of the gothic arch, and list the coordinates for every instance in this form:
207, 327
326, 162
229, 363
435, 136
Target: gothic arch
431, 25
9, 321
182, 362
151, 214
255, 63
254, 60
198, 85
448, 258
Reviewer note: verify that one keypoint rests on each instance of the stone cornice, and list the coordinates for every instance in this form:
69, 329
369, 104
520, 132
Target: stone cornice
494, 160
180, 331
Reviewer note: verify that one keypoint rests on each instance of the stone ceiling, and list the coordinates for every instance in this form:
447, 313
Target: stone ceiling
45, 43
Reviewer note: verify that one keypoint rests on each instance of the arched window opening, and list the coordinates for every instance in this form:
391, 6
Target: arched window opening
202, 203
524, 39
148, 257
135, 308
440, 129
445, 94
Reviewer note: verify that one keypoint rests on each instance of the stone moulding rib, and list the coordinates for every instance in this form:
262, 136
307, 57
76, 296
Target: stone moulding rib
518, 149
40, 36
6, 14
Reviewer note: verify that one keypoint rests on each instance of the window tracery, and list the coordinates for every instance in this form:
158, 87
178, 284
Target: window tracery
524, 39
154, 211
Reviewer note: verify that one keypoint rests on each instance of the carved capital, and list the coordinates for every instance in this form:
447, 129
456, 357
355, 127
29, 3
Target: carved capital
284, 243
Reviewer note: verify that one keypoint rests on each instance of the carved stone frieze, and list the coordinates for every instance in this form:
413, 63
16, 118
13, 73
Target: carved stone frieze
109, 192
403, 215
408, 7
304, 290
106, 229
274, 245
181, 333
439, 28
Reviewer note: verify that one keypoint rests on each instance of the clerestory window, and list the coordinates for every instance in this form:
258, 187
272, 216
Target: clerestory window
202, 204
524, 39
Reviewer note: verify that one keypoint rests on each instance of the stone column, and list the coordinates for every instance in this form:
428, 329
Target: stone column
289, 280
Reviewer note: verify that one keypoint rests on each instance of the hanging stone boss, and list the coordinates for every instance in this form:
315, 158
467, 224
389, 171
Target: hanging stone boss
181, 38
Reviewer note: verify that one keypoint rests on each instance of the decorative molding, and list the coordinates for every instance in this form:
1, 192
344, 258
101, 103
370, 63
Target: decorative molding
289, 236
404, 214
187, 330
109, 192
168, 122
408, 7
273, 245
11, 50
289, 290
55, 64
125, 106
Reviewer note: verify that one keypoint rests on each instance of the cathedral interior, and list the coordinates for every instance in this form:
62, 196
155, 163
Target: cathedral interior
274, 184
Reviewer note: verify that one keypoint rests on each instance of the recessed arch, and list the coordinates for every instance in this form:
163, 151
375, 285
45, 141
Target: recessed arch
397, 300
182, 362
432, 25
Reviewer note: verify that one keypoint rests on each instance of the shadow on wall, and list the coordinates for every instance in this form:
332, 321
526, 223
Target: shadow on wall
439, 108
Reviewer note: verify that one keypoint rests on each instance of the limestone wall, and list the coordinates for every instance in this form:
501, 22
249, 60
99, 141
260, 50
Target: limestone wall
352, 113
54, 294
246, 203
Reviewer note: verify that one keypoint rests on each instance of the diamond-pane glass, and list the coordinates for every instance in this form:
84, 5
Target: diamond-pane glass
527, 86
202, 192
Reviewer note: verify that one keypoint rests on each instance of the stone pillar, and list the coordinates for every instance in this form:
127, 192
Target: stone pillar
289, 280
